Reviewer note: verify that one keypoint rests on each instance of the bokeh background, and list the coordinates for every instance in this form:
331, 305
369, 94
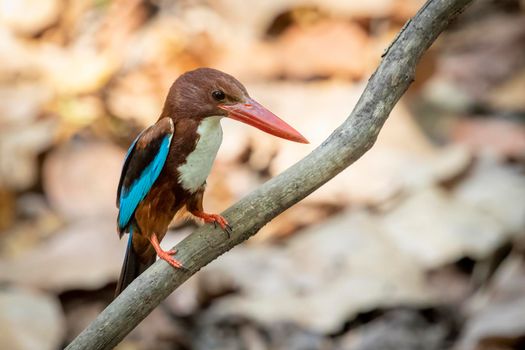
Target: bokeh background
419, 245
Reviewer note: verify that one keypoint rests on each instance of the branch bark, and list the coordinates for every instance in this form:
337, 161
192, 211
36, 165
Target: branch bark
346, 144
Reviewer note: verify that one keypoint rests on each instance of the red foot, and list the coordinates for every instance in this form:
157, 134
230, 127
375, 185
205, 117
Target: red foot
165, 255
215, 219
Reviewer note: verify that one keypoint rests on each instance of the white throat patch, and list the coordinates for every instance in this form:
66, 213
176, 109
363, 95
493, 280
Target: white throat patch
194, 172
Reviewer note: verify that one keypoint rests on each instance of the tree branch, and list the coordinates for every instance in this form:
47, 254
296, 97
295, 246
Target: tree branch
346, 144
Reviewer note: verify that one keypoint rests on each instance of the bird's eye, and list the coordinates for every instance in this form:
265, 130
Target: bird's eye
218, 95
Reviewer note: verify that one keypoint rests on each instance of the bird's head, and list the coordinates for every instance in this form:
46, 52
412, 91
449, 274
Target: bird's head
207, 92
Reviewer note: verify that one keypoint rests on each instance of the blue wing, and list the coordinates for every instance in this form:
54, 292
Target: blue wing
142, 166
125, 166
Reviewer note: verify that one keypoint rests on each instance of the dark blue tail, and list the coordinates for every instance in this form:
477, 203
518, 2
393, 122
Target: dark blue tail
132, 266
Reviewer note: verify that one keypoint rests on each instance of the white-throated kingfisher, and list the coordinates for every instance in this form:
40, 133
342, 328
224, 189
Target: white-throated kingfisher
166, 167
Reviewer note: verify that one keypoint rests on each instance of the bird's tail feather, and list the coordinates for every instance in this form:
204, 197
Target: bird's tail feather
132, 266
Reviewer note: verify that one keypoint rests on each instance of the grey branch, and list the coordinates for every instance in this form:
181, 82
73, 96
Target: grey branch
343, 147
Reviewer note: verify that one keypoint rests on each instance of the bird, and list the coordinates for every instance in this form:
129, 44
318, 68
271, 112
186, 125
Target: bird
165, 169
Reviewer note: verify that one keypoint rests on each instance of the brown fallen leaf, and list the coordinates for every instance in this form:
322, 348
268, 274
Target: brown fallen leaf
30, 320
22, 102
434, 228
7, 209
478, 63
80, 178
16, 16
508, 96
20, 146
498, 191
496, 317
402, 328
84, 255
143, 90
402, 159
501, 137
320, 278
347, 43
39, 223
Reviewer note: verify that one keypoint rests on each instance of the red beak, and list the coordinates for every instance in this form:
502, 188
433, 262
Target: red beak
253, 113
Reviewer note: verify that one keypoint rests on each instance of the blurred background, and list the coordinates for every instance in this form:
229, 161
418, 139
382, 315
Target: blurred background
418, 245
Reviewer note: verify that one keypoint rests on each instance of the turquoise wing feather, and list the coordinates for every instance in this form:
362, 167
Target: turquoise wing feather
143, 164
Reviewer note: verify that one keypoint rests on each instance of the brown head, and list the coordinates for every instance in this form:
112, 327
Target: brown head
207, 92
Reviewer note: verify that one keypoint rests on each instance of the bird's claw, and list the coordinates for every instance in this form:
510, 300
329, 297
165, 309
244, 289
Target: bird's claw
166, 255
179, 264
228, 229
224, 225
216, 219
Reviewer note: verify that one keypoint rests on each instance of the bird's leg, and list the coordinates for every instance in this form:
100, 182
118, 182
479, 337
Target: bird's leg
194, 206
165, 254
215, 219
